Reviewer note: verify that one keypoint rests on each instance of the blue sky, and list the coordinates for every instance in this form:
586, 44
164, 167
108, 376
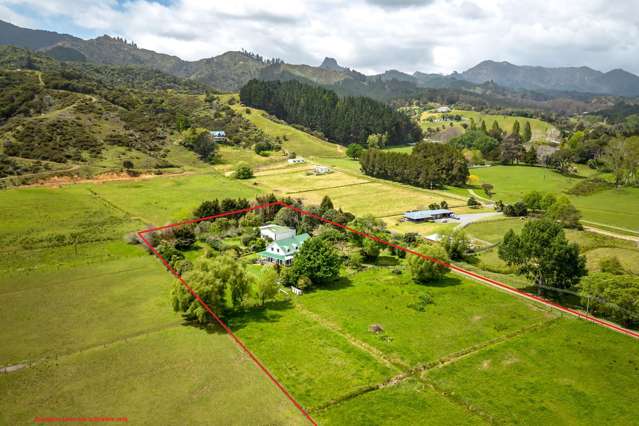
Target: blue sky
369, 35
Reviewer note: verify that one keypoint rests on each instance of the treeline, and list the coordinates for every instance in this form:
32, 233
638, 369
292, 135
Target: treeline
343, 120
430, 165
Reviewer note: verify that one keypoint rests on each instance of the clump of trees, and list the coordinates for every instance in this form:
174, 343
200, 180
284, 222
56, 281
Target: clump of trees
612, 295
243, 171
542, 253
430, 268
343, 120
317, 263
429, 165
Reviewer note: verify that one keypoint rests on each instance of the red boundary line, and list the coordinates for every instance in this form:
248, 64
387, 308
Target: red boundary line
497, 284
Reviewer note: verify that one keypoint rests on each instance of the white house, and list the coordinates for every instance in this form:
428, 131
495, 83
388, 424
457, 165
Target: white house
276, 232
296, 160
283, 251
218, 135
321, 170
443, 109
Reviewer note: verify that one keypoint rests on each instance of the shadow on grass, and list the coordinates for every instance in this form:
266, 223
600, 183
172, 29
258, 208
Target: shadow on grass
447, 281
240, 318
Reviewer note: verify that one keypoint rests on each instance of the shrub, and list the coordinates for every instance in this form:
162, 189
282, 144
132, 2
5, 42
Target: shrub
243, 171
425, 270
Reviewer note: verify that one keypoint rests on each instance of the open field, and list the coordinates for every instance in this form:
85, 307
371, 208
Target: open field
613, 206
164, 199
568, 372
297, 182
230, 156
494, 230
93, 323
540, 129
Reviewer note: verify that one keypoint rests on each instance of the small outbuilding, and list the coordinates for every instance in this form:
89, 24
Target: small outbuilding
321, 170
427, 215
296, 160
443, 109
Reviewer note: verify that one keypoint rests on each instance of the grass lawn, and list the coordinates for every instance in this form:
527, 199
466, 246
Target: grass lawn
617, 207
160, 200
292, 182
629, 258
494, 230
176, 376
315, 364
411, 402
230, 156
570, 372
463, 314
377, 198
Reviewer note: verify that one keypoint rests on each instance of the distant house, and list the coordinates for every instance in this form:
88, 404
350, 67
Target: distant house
427, 215
321, 170
283, 252
296, 160
218, 135
443, 109
276, 232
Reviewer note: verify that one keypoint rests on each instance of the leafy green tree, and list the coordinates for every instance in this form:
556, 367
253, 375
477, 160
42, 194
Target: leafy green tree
516, 128
326, 204
472, 202
456, 243
527, 134
547, 201
266, 286
355, 260
370, 249
533, 200
184, 237
206, 282
483, 127
243, 171
530, 156
354, 150
318, 260
496, 131
612, 295
565, 213
543, 254
287, 217
425, 270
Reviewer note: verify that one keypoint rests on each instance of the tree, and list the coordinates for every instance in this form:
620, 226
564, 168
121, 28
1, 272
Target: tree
473, 203
431, 268
515, 130
184, 237
287, 217
613, 295
456, 243
622, 157
206, 282
128, 164
201, 142
326, 204
243, 171
527, 134
565, 213
370, 249
483, 127
543, 254
207, 208
266, 286
488, 189
354, 150
495, 131
533, 200
355, 260
530, 156
318, 260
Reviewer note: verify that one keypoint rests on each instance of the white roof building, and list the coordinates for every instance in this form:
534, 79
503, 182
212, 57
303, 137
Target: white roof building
276, 232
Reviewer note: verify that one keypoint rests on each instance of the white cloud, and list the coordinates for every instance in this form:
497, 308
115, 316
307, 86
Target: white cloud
369, 35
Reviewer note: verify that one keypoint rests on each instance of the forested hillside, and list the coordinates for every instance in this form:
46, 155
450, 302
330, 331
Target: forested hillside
343, 120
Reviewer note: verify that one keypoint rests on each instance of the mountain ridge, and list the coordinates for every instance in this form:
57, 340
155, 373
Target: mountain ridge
231, 70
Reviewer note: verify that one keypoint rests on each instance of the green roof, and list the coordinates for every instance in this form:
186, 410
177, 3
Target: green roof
272, 255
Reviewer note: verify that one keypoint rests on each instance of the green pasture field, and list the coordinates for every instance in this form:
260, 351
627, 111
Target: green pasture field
615, 207
540, 129
230, 156
494, 230
93, 323
568, 372
410, 402
174, 376
406, 149
300, 181
169, 198
377, 198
